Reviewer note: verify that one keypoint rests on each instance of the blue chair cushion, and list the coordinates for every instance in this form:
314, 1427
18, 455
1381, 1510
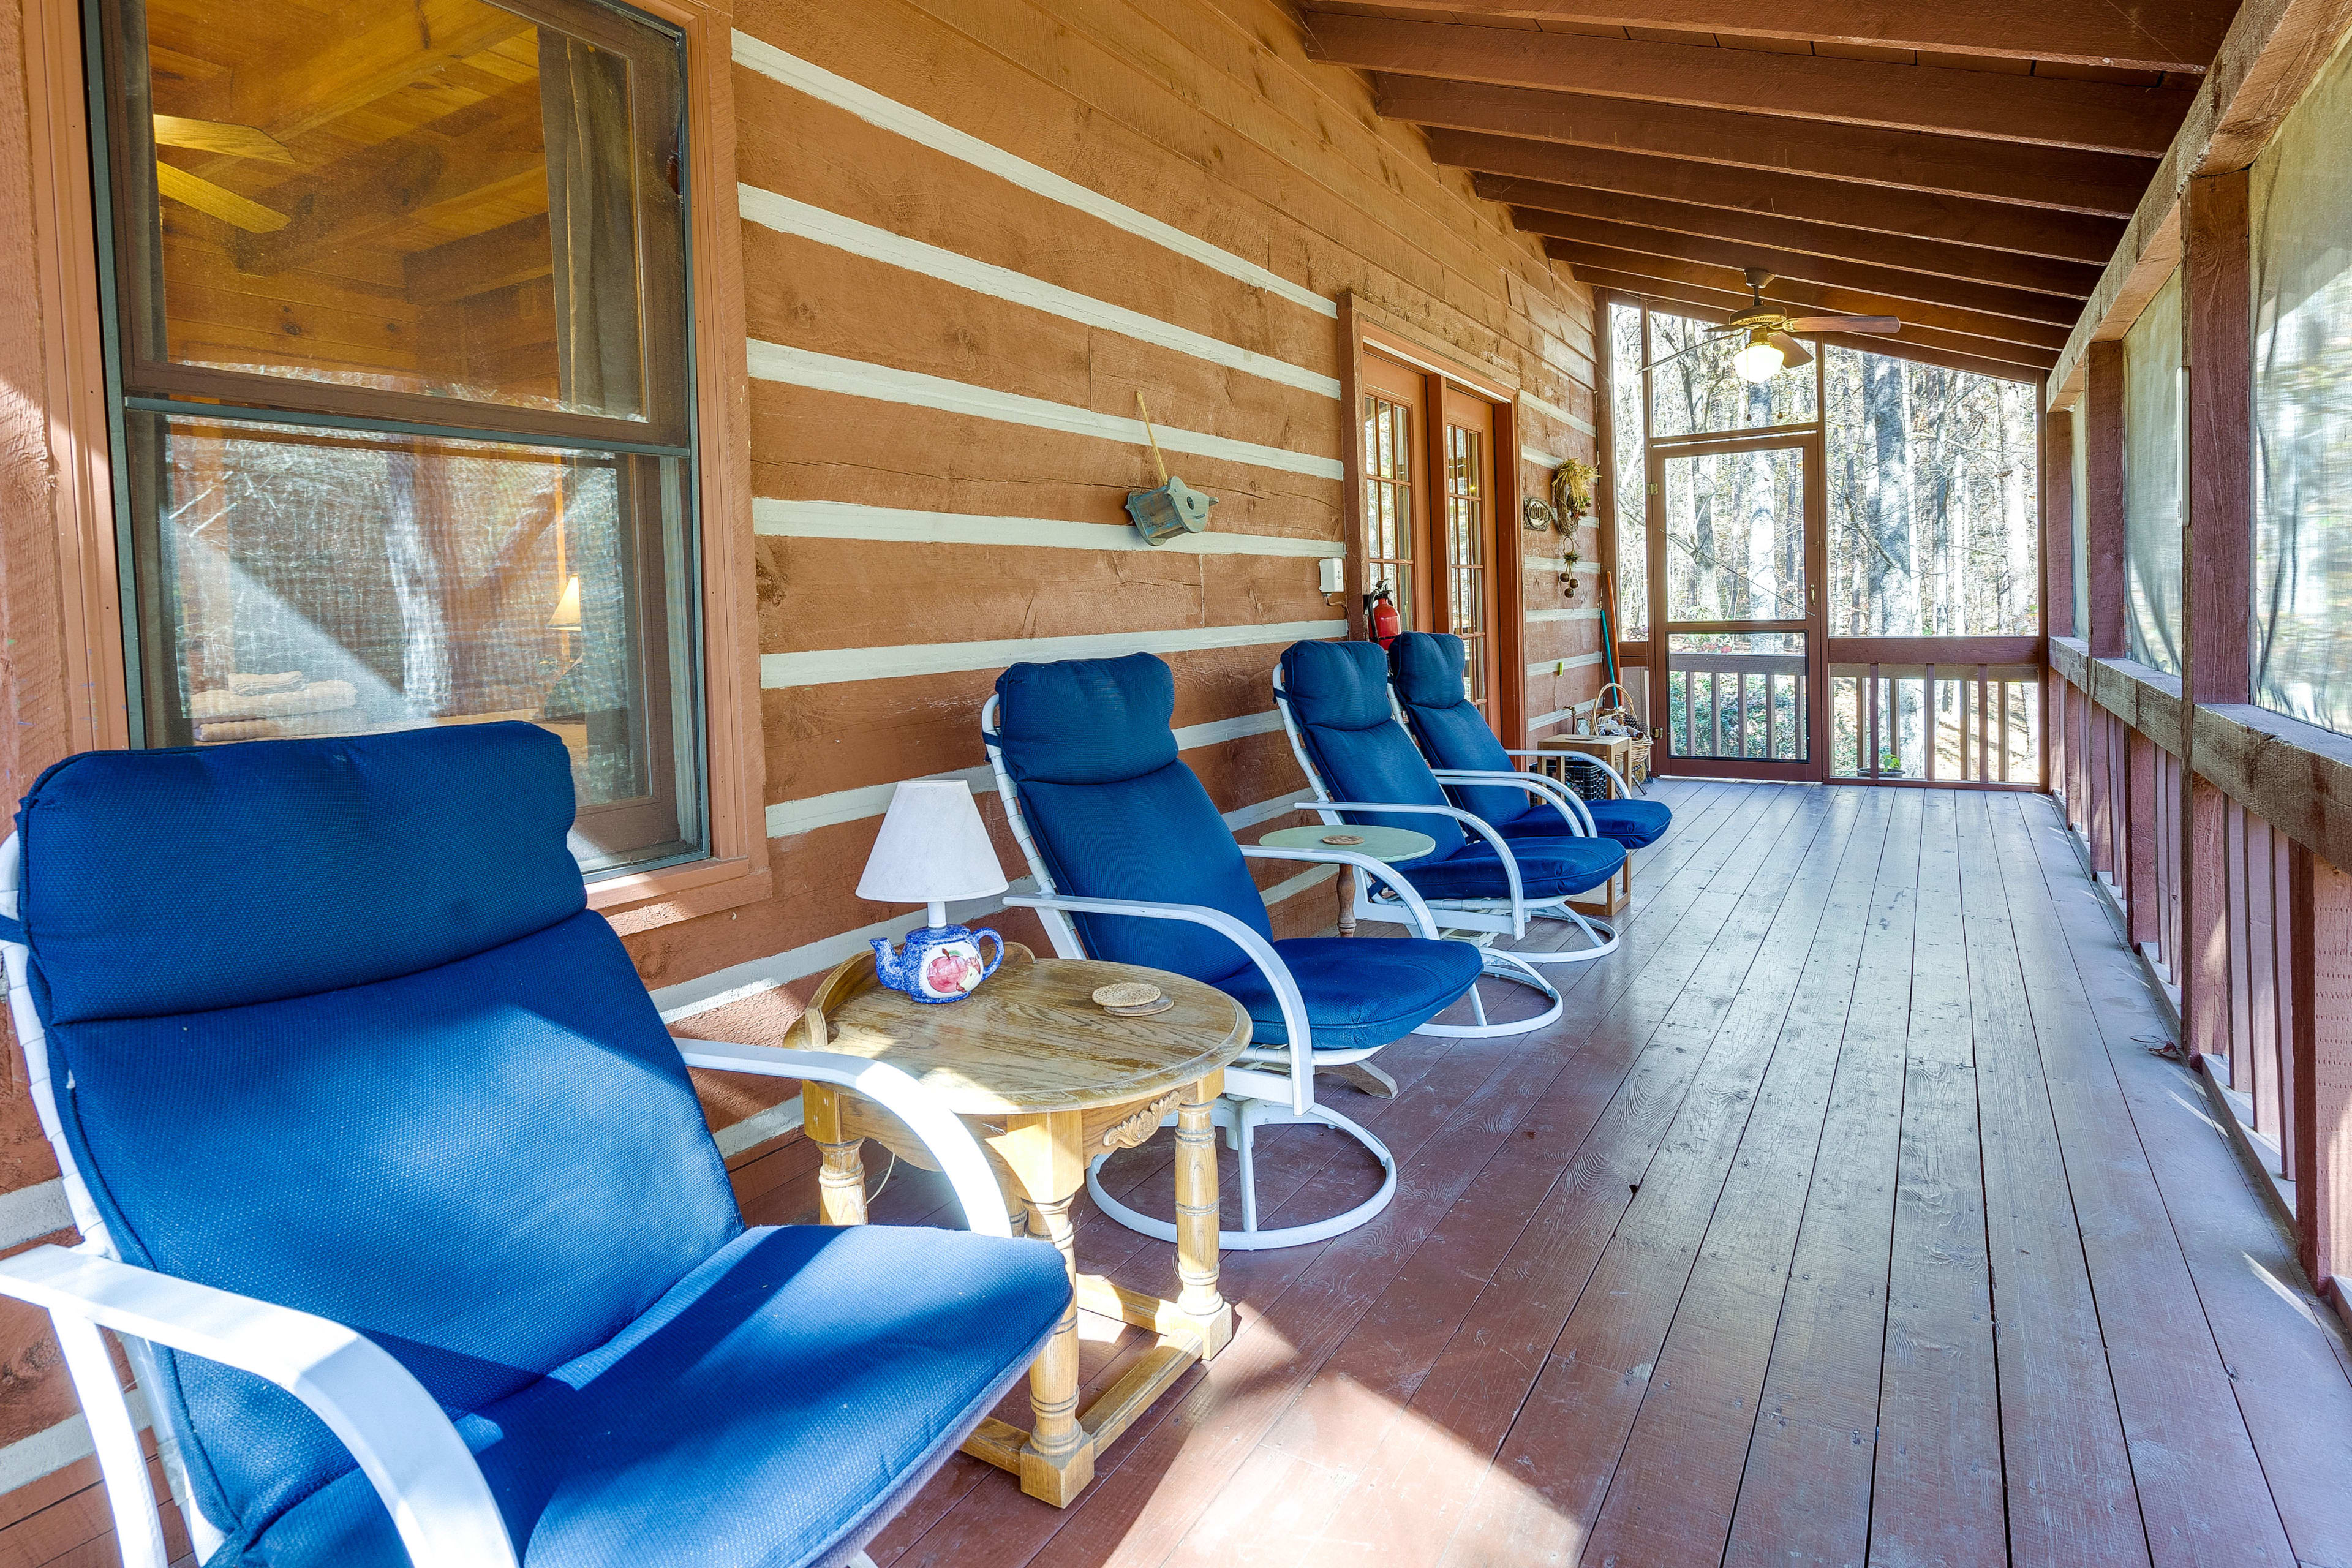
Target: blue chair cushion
1549, 869
1358, 991
1116, 815
772, 1408
1451, 734
174, 881
1632, 823
1338, 693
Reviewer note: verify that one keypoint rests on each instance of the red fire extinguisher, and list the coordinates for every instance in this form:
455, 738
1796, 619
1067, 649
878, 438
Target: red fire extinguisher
1380, 614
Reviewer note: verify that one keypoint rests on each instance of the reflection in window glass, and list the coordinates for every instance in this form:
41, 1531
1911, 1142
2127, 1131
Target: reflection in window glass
2303, 411
1699, 391
1932, 481
1737, 694
2153, 450
1465, 553
1388, 503
1630, 486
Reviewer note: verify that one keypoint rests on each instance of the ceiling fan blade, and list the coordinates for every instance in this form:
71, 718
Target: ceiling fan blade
1880, 324
1792, 352
1702, 343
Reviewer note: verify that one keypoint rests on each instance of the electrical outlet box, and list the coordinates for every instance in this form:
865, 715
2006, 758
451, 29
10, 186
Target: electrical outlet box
1334, 574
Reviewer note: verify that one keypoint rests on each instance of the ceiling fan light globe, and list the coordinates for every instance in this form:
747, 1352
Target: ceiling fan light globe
1758, 362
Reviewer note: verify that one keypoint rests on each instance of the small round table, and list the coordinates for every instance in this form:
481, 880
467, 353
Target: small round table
1389, 845
1047, 1081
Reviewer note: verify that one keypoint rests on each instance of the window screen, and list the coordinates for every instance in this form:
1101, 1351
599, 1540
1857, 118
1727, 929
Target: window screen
2152, 488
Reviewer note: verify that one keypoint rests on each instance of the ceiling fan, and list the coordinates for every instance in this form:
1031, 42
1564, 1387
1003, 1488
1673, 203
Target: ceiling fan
1771, 345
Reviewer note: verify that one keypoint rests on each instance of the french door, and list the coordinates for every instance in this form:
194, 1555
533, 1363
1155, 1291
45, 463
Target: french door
1431, 511
1737, 556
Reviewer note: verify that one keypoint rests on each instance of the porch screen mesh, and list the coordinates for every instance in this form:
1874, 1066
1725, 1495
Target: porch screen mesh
2152, 480
2303, 410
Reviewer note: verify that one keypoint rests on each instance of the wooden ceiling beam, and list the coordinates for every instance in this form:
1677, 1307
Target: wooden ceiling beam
1923, 287
2071, 280
2053, 111
1953, 353
2179, 37
400, 44
2097, 183
1997, 226
1991, 337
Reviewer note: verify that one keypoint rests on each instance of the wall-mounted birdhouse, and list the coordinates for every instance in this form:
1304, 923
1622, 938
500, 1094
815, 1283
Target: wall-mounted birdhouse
1174, 510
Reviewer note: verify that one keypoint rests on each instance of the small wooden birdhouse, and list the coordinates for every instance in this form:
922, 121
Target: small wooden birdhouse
1172, 510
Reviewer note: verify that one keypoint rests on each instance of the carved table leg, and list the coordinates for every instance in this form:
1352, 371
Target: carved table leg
841, 1182
1196, 1216
1347, 880
1059, 1459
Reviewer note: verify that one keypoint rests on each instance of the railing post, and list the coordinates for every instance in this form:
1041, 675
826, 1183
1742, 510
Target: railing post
2204, 968
2321, 1075
2103, 449
2141, 898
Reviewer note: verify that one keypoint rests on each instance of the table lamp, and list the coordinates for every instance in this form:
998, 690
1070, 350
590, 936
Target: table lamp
932, 849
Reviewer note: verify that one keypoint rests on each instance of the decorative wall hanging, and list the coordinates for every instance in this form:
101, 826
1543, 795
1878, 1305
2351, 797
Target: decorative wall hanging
1172, 510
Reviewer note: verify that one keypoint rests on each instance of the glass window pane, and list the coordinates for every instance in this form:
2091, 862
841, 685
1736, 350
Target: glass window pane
1735, 524
1699, 391
324, 583
1932, 476
1630, 485
2152, 488
491, 214
2303, 411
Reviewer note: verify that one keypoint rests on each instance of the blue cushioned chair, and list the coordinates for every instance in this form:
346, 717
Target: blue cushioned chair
1427, 669
393, 1184
1364, 768
1134, 865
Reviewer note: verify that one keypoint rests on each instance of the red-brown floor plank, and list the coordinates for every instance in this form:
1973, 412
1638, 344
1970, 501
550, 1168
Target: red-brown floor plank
1804, 1496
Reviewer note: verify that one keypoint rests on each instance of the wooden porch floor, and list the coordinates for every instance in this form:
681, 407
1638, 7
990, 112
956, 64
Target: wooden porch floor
1844, 1218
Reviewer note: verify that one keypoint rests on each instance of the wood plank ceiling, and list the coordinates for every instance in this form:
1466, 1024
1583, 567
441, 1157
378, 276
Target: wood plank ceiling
1966, 165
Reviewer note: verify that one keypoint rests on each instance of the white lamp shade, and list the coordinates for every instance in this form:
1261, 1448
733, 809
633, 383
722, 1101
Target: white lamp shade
933, 848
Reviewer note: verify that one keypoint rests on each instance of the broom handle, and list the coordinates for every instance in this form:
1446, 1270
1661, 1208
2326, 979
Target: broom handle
1152, 436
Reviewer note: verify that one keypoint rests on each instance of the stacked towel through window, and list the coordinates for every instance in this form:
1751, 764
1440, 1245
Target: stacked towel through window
275, 708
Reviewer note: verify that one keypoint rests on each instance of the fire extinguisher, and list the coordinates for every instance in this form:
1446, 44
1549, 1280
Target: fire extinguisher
1380, 614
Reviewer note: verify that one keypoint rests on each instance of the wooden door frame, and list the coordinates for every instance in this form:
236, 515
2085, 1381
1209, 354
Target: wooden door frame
1811, 445
1362, 325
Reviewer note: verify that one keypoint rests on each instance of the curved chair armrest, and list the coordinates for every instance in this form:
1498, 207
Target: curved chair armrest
1559, 797
421, 1468
946, 1136
1486, 830
1367, 864
1582, 759
1256, 948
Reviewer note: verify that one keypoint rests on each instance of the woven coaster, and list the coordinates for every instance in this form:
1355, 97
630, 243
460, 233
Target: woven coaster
1343, 838
1132, 999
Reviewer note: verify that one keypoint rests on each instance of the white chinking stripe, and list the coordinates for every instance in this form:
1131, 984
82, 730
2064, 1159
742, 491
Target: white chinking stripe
823, 666
786, 817
779, 518
786, 216
1554, 411
888, 114
1558, 666
1567, 613
859, 378
757, 976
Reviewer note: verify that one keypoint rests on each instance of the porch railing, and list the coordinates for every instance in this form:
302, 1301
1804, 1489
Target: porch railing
2221, 840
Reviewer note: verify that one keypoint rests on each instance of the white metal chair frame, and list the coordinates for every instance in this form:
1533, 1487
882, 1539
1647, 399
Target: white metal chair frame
1483, 918
411, 1454
1254, 1097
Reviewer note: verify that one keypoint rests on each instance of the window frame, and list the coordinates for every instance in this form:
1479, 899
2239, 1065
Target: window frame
70, 190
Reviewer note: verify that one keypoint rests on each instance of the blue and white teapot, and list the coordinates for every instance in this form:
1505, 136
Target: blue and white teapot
939, 963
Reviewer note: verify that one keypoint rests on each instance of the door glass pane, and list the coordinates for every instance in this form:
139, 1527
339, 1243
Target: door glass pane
313, 583
1627, 486
1699, 391
479, 208
1735, 525
1465, 551
1388, 502
1737, 695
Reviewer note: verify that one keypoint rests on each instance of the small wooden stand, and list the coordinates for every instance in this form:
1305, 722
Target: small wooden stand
1630, 757
1048, 1081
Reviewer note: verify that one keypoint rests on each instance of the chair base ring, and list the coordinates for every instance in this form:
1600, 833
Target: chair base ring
1502, 965
1267, 1240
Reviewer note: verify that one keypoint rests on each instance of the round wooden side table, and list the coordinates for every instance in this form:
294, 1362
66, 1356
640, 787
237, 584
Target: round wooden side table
1389, 845
1047, 1081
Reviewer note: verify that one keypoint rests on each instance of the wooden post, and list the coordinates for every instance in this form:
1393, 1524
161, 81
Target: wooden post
2140, 897
2100, 811
2204, 967
2102, 542
2058, 522
2322, 1077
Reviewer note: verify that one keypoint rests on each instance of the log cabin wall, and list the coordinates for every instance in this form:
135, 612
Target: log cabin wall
972, 230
